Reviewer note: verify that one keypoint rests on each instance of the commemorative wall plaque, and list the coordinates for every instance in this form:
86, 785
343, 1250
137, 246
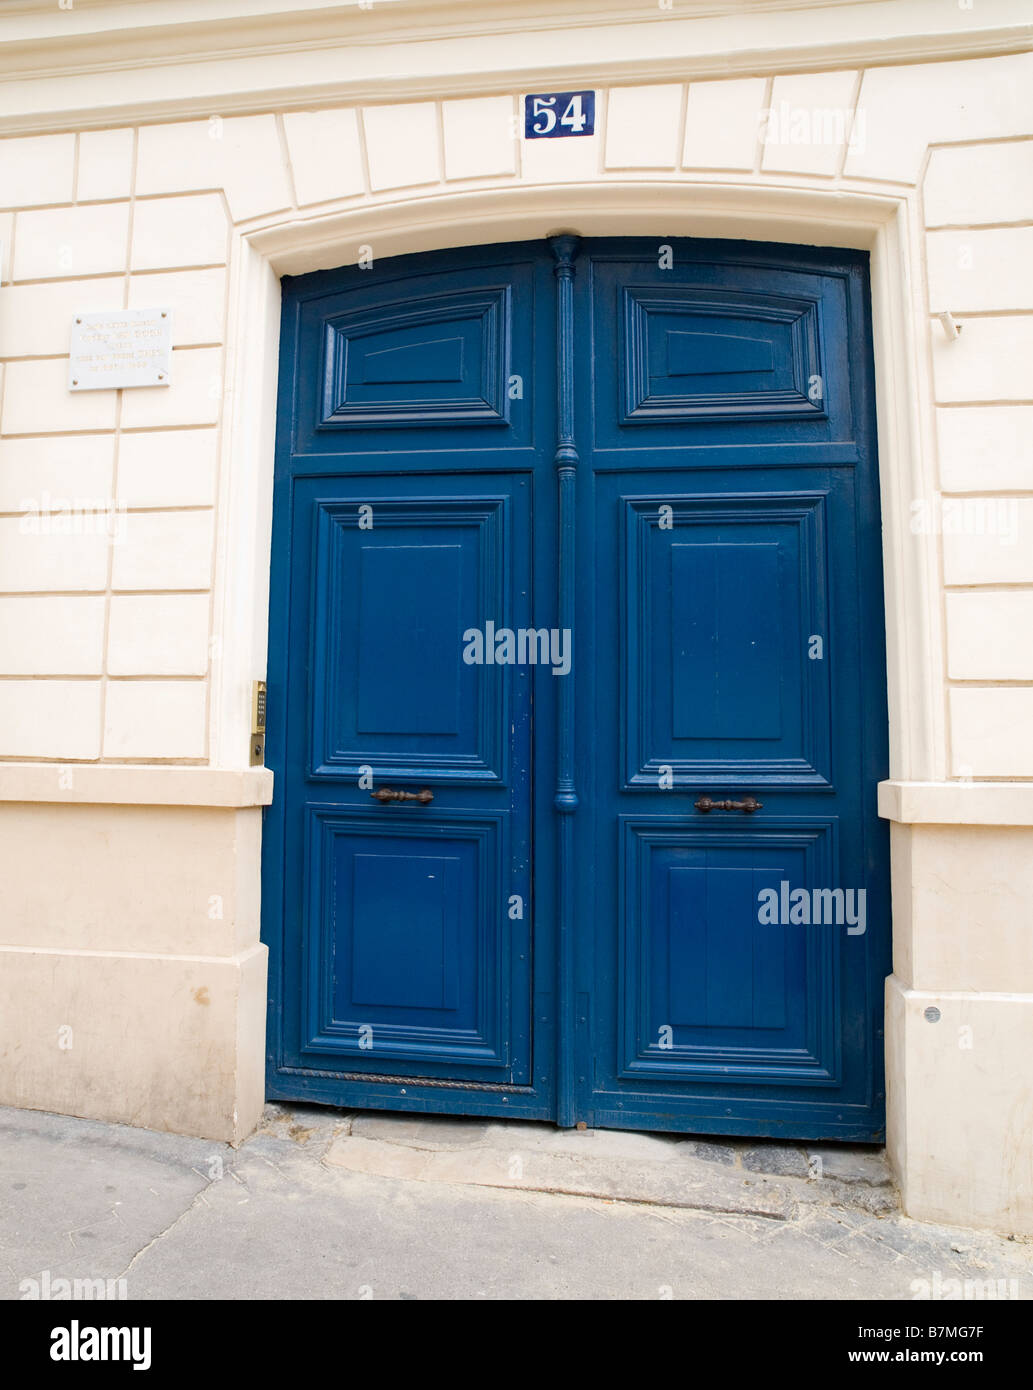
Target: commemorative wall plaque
120, 347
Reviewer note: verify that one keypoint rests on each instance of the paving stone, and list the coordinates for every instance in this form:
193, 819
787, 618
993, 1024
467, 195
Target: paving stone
431, 1132
777, 1159
851, 1163
78, 1199
602, 1174
713, 1153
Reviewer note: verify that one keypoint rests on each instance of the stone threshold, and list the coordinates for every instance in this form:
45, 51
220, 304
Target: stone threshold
737, 1177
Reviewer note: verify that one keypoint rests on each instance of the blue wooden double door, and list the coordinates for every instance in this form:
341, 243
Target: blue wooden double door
576, 689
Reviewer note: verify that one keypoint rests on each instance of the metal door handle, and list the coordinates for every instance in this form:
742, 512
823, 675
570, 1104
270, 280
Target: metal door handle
386, 794
750, 804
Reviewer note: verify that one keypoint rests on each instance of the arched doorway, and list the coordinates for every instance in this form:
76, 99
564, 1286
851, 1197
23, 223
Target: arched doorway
576, 549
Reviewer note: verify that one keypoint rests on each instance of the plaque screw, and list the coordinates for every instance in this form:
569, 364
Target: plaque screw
75, 381
78, 320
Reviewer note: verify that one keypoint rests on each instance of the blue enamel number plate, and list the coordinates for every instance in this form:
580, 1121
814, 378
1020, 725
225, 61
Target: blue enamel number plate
552, 114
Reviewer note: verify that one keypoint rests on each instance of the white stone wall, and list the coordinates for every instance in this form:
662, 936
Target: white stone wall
121, 627
125, 659
112, 609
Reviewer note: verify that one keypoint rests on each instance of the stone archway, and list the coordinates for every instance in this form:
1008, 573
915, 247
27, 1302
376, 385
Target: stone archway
885, 225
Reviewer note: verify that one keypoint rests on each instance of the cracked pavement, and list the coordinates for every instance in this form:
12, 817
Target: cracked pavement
321, 1204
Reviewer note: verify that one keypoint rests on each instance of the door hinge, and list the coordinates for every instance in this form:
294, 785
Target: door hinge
257, 723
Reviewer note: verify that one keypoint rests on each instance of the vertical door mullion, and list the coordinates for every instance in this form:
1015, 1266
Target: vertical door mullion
565, 801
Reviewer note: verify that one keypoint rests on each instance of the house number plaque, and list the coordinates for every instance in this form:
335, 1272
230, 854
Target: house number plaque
551, 115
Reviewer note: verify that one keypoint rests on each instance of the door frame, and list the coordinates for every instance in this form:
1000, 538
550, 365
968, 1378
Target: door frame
885, 225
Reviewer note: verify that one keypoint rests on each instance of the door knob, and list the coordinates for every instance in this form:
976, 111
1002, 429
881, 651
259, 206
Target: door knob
749, 804
386, 794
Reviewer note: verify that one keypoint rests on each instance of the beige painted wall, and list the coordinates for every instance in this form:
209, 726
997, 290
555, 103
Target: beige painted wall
130, 633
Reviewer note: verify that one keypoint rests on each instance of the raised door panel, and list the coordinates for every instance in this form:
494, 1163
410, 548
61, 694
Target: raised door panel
403, 359
711, 989
689, 353
726, 679
409, 940
443, 360
404, 578
696, 350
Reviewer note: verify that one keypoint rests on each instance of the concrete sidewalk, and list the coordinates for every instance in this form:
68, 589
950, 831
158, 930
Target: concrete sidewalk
326, 1205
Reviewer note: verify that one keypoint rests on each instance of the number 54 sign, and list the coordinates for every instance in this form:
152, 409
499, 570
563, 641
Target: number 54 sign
559, 113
